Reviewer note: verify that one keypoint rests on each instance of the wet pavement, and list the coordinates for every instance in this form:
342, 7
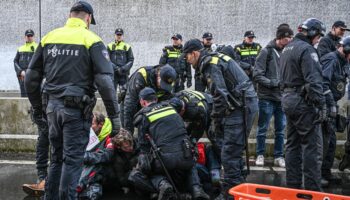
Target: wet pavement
13, 175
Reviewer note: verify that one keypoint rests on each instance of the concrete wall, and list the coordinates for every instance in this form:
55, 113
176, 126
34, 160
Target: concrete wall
148, 24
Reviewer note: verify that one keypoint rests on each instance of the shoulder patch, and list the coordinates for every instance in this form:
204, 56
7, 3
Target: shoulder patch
214, 60
314, 56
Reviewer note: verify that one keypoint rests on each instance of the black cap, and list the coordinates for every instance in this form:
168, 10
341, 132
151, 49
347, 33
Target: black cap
85, 7
284, 32
192, 45
167, 77
29, 32
249, 34
119, 31
176, 36
340, 24
147, 93
207, 35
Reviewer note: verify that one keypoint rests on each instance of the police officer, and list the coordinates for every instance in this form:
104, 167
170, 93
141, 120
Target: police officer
195, 109
73, 60
335, 73
165, 127
171, 56
122, 57
330, 41
226, 82
23, 56
160, 78
247, 51
304, 105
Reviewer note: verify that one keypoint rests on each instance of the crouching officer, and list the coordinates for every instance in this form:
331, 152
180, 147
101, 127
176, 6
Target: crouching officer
304, 105
195, 108
72, 59
226, 82
122, 57
335, 72
171, 56
161, 128
160, 78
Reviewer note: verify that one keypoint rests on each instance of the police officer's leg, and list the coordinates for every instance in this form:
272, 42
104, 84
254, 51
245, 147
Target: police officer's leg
75, 139
293, 156
121, 97
265, 114
329, 145
22, 89
42, 153
53, 112
312, 159
280, 123
233, 146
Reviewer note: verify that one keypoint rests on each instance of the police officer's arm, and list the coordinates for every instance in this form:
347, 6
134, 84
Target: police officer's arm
142, 124
188, 72
328, 66
312, 73
130, 60
103, 74
33, 79
164, 58
131, 102
237, 53
18, 69
259, 72
323, 47
101, 155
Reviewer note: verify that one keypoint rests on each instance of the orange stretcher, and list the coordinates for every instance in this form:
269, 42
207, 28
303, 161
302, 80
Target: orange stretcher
248, 191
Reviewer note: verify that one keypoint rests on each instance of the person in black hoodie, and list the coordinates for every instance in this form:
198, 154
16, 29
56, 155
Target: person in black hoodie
266, 75
330, 42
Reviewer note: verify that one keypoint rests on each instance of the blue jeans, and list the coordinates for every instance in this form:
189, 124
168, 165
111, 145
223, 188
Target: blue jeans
267, 109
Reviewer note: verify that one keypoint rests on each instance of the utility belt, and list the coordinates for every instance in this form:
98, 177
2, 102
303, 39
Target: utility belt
85, 103
296, 89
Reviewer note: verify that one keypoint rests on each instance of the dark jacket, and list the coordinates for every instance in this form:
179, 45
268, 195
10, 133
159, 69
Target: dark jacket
300, 67
171, 55
247, 52
335, 72
141, 78
23, 57
122, 57
225, 79
266, 72
327, 44
73, 60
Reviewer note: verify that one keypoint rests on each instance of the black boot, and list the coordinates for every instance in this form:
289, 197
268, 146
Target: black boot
166, 191
198, 193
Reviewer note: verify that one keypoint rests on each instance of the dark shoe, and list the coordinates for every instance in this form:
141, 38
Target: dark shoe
324, 182
199, 194
37, 189
166, 191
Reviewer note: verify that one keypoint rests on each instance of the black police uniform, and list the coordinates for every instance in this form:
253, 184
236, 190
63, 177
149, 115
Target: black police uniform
198, 106
247, 53
21, 62
328, 44
300, 69
225, 81
72, 59
171, 56
335, 72
143, 77
168, 131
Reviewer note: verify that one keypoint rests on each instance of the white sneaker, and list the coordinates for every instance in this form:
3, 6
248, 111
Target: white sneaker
259, 160
280, 162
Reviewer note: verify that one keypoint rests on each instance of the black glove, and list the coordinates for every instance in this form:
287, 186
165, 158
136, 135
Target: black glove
189, 83
274, 83
322, 114
115, 126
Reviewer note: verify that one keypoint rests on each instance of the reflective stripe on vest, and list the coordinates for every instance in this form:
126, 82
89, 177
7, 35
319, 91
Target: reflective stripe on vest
173, 54
160, 113
143, 73
197, 94
28, 47
122, 46
214, 60
223, 56
249, 52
